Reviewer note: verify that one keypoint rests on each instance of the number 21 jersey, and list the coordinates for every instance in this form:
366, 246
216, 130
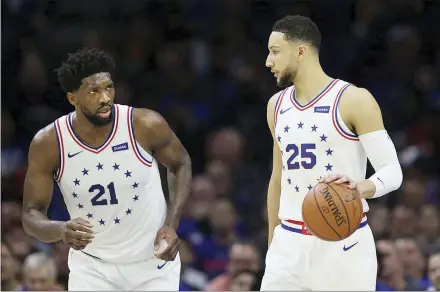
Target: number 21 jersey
116, 187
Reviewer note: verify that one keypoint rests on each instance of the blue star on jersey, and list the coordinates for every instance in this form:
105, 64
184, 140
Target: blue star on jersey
103, 195
306, 152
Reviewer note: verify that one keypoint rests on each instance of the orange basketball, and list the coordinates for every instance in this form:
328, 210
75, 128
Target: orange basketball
332, 212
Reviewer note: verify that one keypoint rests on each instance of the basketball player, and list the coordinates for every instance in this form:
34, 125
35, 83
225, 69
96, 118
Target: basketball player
105, 157
324, 129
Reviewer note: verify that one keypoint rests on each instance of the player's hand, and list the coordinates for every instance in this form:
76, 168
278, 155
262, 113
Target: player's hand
339, 179
167, 250
365, 188
77, 233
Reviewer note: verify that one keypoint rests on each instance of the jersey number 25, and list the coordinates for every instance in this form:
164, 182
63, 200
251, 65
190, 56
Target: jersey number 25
308, 160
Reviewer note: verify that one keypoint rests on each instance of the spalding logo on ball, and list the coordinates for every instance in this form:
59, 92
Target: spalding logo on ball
331, 211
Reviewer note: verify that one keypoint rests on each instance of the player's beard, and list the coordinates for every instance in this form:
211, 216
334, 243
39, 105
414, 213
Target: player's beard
94, 119
285, 80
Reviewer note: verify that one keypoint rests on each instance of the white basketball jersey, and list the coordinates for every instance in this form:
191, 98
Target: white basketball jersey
116, 187
314, 142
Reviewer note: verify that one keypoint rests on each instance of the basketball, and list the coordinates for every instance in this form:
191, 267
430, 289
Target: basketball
331, 211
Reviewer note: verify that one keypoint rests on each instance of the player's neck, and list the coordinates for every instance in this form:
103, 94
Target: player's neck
309, 82
84, 127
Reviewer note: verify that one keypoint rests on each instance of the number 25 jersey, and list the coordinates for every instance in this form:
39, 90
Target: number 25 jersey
116, 187
314, 142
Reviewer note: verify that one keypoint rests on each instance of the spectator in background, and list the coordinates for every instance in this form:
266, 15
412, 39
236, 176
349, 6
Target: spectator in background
9, 270
246, 280
390, 269
40, 273
378, 220
191, 279
434, 271
403, 222
192, 225
413, 261
429, 239
60, 254
242, 256
213, 251
219, 174
20, 243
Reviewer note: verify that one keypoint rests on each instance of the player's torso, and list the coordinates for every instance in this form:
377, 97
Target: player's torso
116, 187
314, 142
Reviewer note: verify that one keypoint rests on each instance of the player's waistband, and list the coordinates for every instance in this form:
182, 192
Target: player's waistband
299, 227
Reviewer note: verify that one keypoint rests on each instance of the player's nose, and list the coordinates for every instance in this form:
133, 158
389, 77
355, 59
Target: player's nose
104, 98
269, 63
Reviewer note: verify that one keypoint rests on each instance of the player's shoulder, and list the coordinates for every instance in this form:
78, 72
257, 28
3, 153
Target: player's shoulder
276, 97
44, 144
150, 127
147, 118
356, 97
47, 136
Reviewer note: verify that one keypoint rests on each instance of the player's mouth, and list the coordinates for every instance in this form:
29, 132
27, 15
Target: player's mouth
105, 113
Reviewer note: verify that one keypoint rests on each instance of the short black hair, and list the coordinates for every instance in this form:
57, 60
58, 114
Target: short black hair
82, 64
297, 27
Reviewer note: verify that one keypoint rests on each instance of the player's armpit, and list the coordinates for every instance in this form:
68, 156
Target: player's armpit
38, 187
155, 136
360, 111
274, 189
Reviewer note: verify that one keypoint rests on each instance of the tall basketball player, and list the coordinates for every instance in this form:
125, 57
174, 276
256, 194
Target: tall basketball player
324, 129
105, 157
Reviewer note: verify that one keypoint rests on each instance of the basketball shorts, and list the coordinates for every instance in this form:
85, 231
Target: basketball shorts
92, 274
298, 261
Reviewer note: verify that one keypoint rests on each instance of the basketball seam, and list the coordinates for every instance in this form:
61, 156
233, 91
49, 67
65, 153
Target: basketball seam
314, 233
316, 201
346, 212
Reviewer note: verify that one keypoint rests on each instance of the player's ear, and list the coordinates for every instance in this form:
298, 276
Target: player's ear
72, 99
302, 50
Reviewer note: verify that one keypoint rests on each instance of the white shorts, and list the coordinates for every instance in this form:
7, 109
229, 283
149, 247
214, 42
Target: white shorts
300, 262
92, 274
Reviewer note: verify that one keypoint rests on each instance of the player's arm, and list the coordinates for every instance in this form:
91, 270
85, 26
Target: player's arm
38, 189
274, 190
360, 112
160, 140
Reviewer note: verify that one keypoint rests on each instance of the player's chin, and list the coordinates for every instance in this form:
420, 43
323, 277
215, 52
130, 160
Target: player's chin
103, 120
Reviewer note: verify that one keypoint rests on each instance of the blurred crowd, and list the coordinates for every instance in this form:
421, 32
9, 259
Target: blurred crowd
201, 65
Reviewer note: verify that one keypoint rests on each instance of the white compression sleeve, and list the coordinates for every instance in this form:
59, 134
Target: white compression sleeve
382, 154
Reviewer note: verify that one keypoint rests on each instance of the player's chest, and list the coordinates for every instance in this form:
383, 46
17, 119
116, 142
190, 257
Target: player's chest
87, 171
305, 127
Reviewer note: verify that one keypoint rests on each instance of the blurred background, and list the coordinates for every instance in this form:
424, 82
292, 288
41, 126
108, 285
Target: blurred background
201, 64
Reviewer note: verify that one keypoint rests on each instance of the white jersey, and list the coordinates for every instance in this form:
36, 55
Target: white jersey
314, 142
116, 187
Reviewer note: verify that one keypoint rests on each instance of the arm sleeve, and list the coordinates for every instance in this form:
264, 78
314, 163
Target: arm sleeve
382, 154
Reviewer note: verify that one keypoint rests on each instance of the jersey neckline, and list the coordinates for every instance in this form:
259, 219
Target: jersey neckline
315, 99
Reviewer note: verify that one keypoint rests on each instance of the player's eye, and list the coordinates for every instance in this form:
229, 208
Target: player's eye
110, 87
92, 91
